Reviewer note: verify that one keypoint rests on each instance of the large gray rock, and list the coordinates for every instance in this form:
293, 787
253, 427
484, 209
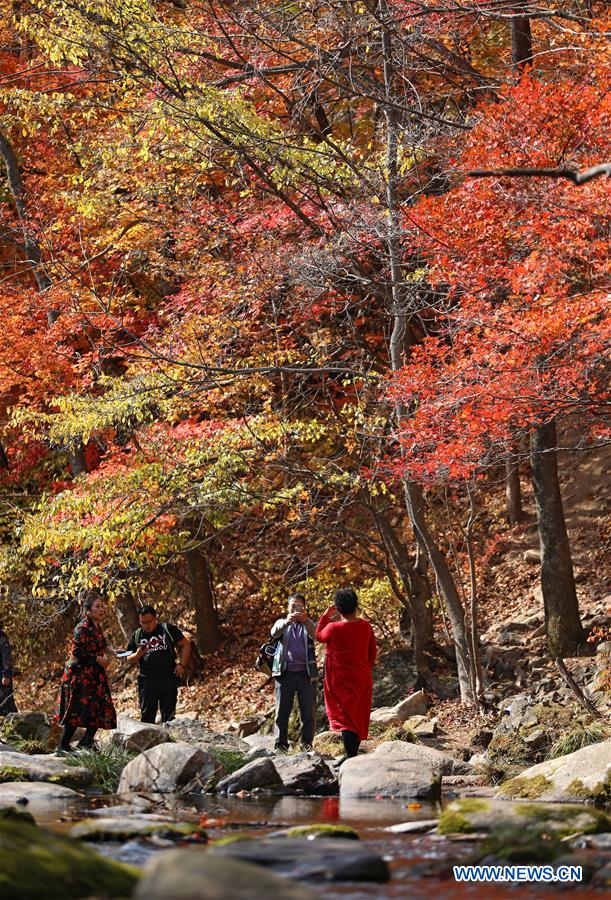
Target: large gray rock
190, 875
138, 736
36, 793
440, 763
321, 860
478, 814
30, 726
414, 705
39, 767
583, 775
306, 772
167, 768
388, 775
192, 731
260, 773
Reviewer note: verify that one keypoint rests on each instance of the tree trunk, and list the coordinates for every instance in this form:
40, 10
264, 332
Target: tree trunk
521, 42
399, 314
127, 614
513, 492
76, 455
208, 634
562, 622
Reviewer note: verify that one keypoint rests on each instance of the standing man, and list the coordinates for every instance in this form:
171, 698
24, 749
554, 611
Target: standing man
7, 700
162, 652
294, 670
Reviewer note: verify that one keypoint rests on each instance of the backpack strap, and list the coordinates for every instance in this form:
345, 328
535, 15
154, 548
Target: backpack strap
137, 636
170, 638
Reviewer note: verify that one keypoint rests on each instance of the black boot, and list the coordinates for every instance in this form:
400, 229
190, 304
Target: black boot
87, 741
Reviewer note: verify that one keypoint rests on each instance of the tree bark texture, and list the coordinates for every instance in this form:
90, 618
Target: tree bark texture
562, 622
513, 491
127, 614
208, 635
521, 42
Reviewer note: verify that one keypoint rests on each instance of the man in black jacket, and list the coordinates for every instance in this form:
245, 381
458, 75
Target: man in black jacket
161, 651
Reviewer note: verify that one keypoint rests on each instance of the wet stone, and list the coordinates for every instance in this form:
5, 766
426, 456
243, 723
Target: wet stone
322, 860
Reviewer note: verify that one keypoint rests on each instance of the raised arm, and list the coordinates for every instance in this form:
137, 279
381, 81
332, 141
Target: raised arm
324, 629
278, 627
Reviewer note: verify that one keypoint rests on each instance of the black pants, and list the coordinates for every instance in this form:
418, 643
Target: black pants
287, 685
157, 692
351, 743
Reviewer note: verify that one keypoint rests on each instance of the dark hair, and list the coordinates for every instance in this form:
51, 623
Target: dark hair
299, 597
346, 601
147, 610
90, 600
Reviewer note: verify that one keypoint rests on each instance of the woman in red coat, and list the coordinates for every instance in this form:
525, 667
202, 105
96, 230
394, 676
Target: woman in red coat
351, 653
84, 698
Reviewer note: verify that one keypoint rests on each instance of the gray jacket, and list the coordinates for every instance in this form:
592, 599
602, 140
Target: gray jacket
279, 664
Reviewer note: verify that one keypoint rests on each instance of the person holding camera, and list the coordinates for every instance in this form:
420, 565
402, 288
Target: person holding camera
295, 672
84, 698
161, 651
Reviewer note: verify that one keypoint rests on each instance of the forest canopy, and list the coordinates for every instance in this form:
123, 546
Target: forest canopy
260, 321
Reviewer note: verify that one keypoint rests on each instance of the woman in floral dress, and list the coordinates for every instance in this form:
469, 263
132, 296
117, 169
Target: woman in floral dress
84, 698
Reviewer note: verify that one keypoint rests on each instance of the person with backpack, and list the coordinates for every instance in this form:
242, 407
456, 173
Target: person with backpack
162, 653
295, 672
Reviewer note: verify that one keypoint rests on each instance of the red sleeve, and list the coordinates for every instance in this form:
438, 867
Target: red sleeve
372, 650
324, 629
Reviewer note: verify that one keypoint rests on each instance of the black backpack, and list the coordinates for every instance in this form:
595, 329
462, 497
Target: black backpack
266, 655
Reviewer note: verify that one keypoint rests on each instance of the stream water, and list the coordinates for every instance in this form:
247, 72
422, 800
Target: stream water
416, 860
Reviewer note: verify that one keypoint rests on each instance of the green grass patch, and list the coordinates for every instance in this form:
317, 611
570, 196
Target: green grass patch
106, 765
581, 735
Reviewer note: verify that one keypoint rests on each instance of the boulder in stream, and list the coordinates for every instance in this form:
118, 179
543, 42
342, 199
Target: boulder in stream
305, 860
260, 773
305, 772
39, 767
194, 732
35, 793
37, 863
583, 775
117, 828
167, 768
389, 775
195, 875
477, 814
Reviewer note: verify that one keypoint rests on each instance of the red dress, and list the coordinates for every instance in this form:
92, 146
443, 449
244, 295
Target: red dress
84, 697
351, 653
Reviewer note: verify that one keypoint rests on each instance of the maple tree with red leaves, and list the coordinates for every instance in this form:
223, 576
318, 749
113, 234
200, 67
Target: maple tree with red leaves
257, 318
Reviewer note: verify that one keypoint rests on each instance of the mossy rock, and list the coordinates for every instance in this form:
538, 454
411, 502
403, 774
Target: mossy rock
525, 788
323, 831
36, 863
12, 773
232, 839
125, 829
455, 817
513, 843
564, 819
600, 794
